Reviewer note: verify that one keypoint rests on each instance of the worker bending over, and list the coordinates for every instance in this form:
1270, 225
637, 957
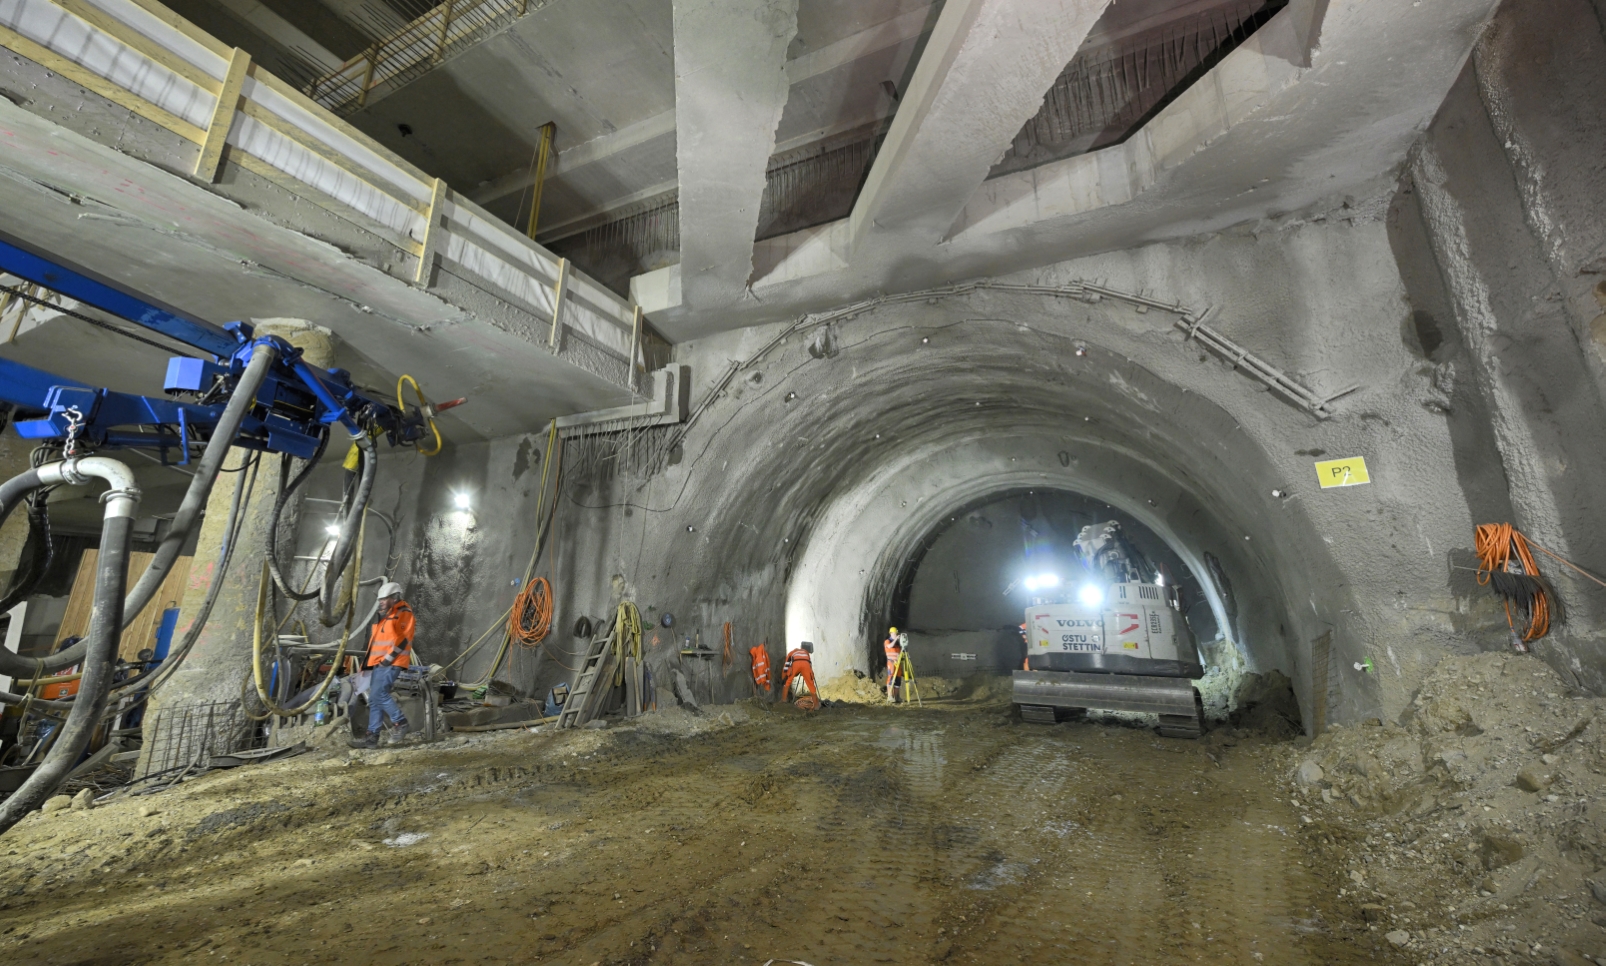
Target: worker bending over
893, 646
390, 648
797, 675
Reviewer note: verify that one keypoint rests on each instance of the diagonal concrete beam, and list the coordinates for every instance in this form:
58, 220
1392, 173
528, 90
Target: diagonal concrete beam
982, 76
871, 40
730, 89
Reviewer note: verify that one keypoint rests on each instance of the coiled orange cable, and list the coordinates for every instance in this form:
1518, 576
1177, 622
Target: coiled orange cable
1495, 543
531, 619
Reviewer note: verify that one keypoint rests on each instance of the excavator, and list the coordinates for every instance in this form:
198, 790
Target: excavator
1114, 640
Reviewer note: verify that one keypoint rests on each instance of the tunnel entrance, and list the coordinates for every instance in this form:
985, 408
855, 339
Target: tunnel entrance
963, 588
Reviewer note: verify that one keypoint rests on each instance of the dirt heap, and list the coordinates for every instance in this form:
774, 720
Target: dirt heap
1472, 830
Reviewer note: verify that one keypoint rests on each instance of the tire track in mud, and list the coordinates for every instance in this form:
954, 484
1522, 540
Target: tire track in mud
849, 837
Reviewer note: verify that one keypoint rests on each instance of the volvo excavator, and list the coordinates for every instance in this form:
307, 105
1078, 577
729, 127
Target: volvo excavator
1114, 641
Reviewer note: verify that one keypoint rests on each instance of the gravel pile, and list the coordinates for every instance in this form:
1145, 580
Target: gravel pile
1471, 830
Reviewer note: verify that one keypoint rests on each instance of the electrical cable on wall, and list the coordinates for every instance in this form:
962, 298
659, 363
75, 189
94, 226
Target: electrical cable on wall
1506, 567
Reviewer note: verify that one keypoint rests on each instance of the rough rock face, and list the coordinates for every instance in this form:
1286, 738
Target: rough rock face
1477, 824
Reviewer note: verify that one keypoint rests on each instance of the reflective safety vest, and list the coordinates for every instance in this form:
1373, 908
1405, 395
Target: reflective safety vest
799, 664
890, 645
761, 666
393, 632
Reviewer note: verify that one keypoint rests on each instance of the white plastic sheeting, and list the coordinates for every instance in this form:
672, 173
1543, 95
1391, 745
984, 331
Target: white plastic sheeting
50, 26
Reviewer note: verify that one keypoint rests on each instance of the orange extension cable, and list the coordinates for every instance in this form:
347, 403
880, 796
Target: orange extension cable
1495, 544
531, 619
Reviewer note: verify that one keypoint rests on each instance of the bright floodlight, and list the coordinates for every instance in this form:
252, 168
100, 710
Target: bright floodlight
1159, 580
1090, 595
1041, 582
462, 501
332, 530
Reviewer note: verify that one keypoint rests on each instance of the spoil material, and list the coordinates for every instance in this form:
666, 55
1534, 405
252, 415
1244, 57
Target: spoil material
1471, 832
952, 833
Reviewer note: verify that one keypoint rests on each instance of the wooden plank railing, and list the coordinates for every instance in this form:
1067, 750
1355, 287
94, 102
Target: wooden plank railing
143, 57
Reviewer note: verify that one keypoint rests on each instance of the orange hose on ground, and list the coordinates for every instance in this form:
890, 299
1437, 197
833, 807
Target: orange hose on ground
807, 702
531, 619
1495, 543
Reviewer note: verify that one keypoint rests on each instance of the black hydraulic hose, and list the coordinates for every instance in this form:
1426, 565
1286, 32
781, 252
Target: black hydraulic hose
194, 506
243, 486
350, 526
58, 708
105, 630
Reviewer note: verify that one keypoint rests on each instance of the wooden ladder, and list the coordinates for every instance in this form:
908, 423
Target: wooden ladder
577, 710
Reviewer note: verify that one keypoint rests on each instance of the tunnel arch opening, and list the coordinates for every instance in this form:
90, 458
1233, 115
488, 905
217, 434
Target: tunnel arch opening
964, 584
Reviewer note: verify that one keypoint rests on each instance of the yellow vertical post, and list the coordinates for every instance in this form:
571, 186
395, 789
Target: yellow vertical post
543, 154
558, 292
368, 76
446, 25
433, 230
217, 133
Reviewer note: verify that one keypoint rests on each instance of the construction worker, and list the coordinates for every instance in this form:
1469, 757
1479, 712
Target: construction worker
893, 645
390, 648
761, 668
797, 675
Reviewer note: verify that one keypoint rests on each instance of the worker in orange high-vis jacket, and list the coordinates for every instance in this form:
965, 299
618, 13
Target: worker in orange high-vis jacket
390, 648
761, 668
797, 675
893, 646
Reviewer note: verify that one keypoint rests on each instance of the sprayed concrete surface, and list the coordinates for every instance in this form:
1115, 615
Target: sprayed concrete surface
859, 834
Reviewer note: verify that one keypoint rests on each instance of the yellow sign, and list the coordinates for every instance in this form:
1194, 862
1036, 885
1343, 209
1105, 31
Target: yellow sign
1350, 472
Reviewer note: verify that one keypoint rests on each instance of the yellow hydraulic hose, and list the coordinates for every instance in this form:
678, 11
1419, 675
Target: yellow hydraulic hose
423, 405
348, 598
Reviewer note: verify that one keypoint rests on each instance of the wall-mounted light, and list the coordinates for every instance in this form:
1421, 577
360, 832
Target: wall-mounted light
462, 501
332, 530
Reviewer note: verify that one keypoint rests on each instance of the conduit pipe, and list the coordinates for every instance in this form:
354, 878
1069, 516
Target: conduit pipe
194, 506
105, 628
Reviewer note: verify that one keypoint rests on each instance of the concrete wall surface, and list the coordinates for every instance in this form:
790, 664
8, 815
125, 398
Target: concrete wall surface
791, 505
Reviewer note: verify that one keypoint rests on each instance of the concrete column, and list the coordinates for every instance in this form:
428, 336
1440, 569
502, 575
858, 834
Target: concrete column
13, 460
216, 667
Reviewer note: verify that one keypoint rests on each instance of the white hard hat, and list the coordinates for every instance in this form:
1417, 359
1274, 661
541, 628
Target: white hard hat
390, 587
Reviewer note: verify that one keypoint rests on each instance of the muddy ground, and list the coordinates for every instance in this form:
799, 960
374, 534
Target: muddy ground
860, 834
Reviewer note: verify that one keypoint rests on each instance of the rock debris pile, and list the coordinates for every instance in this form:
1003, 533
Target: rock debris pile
1472, 831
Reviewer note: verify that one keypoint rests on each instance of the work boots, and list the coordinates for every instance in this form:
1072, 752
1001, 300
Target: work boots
397, 732
368, 740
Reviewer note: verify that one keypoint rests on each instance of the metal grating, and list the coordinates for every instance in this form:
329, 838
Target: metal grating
191, 736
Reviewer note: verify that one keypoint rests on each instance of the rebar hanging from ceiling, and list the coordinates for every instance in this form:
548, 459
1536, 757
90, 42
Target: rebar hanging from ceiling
1108, 91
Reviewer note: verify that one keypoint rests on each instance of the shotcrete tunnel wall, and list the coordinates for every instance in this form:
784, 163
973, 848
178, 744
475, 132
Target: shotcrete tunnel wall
795, 474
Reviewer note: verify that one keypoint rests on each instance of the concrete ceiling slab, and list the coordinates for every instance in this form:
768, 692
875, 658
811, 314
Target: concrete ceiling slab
1369, 79
594, 68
